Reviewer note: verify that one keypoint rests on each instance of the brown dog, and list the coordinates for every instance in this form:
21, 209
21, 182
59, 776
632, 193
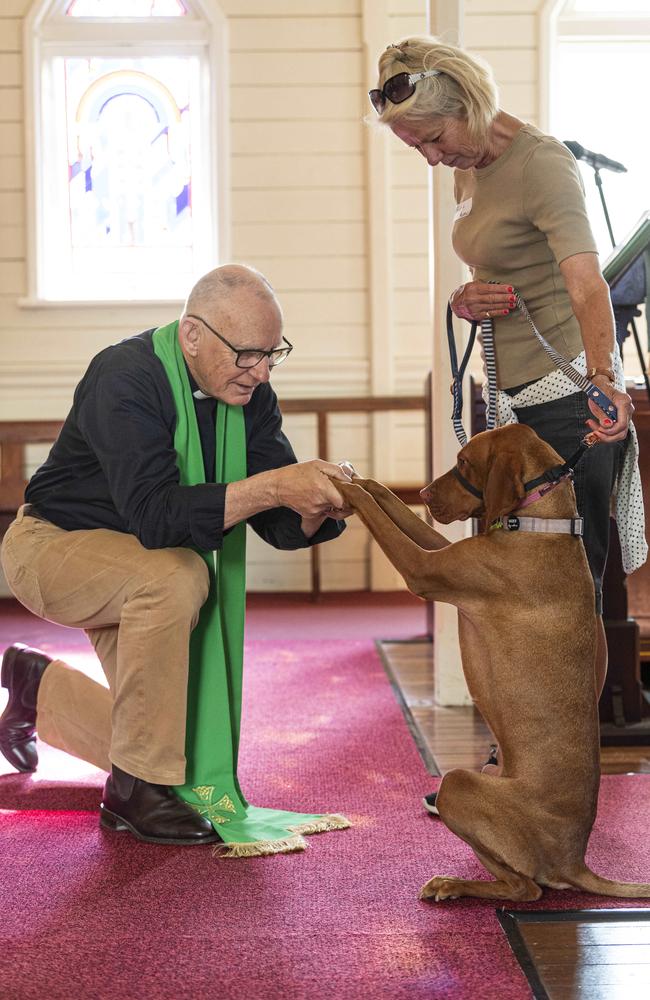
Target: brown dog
528, 639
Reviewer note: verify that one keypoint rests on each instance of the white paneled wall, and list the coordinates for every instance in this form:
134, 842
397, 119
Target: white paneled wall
344, 565
298, 207
505, 33
299, 211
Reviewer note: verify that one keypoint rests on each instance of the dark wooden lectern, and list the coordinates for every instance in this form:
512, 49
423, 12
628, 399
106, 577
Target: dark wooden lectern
624, 709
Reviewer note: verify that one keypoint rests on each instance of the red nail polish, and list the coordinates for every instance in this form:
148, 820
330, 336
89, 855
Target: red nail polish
510, 288
505, 312
608, 422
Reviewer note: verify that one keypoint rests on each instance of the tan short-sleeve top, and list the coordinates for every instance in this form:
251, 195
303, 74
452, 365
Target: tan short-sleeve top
516, 221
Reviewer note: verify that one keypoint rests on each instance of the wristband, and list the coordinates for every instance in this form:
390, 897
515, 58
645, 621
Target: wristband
606, 372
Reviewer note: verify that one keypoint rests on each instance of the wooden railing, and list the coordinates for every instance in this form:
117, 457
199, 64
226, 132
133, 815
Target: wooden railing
323, 408
16, 435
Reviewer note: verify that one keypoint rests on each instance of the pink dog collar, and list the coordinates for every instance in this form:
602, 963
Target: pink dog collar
542, 491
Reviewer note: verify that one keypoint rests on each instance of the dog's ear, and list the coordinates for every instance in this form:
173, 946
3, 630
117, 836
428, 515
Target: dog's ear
504, 486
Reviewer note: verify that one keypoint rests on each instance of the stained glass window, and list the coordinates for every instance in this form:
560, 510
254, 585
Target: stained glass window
129, 161
126, 176
126, 8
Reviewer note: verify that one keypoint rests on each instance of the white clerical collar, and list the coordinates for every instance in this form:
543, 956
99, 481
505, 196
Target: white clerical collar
200, 395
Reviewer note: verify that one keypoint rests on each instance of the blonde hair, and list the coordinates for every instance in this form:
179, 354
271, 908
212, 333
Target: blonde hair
464, 89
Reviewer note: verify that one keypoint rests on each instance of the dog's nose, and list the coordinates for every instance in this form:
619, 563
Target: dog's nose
426, 494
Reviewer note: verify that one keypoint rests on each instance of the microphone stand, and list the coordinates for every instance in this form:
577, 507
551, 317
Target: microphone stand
599, 184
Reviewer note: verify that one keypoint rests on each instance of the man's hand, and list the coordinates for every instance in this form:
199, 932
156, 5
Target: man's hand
478, 300
304, 487
348, 469
308, 489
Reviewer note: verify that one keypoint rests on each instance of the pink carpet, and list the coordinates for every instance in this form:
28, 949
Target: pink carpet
95, 916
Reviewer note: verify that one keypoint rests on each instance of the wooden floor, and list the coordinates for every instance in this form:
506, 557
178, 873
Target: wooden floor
583, 955
612, 948
458, 737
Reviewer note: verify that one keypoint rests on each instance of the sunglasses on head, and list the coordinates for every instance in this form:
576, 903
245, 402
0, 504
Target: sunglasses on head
398, 89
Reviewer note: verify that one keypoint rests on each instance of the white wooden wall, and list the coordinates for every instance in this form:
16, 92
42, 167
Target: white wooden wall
300, 208
506, 34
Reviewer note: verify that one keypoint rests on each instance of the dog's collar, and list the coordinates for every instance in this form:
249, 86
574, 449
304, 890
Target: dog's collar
566, 526
547, 525
550, 479
543, 490
465, 483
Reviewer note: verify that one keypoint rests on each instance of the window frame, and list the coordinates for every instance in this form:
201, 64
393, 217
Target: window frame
557, 19
203, 33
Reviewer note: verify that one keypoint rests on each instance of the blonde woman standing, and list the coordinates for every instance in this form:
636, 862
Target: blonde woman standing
520, 224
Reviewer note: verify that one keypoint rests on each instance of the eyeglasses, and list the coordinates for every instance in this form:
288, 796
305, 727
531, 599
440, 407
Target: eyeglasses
247, 358
398, 88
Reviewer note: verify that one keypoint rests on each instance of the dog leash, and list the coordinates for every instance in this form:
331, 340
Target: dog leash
596, 395
552, 477
487, 334
458, 372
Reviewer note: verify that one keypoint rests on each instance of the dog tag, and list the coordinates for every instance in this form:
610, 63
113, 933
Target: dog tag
512, 524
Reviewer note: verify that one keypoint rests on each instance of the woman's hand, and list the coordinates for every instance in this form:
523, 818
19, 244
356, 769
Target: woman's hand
478, 300
590, 302
603, 429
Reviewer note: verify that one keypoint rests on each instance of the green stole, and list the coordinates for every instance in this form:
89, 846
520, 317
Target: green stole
217, 646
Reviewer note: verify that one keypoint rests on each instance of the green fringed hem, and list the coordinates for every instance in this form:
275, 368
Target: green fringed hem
285, 845
260, 848
330, 821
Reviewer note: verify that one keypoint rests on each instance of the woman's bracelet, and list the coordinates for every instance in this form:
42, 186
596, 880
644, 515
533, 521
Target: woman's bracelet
605, 372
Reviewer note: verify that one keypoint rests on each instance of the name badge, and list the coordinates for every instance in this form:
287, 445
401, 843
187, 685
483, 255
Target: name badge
463, 209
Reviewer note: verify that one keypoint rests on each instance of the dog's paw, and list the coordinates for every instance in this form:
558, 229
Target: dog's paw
371, 486
441, 887
352, 492
341, 484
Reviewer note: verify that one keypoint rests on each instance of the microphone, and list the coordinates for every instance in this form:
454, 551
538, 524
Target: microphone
595, 160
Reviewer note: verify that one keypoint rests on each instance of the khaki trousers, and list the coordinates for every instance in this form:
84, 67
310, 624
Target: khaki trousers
138, 607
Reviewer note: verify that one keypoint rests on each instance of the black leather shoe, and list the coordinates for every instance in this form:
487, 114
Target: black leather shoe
22, 670
152, 813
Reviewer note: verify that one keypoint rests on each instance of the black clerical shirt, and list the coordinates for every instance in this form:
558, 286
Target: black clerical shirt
114, 465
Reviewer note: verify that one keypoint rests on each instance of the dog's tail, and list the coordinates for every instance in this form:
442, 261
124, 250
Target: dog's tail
588, 881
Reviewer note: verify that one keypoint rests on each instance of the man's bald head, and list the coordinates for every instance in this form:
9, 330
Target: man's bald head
216, 287
237, 304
